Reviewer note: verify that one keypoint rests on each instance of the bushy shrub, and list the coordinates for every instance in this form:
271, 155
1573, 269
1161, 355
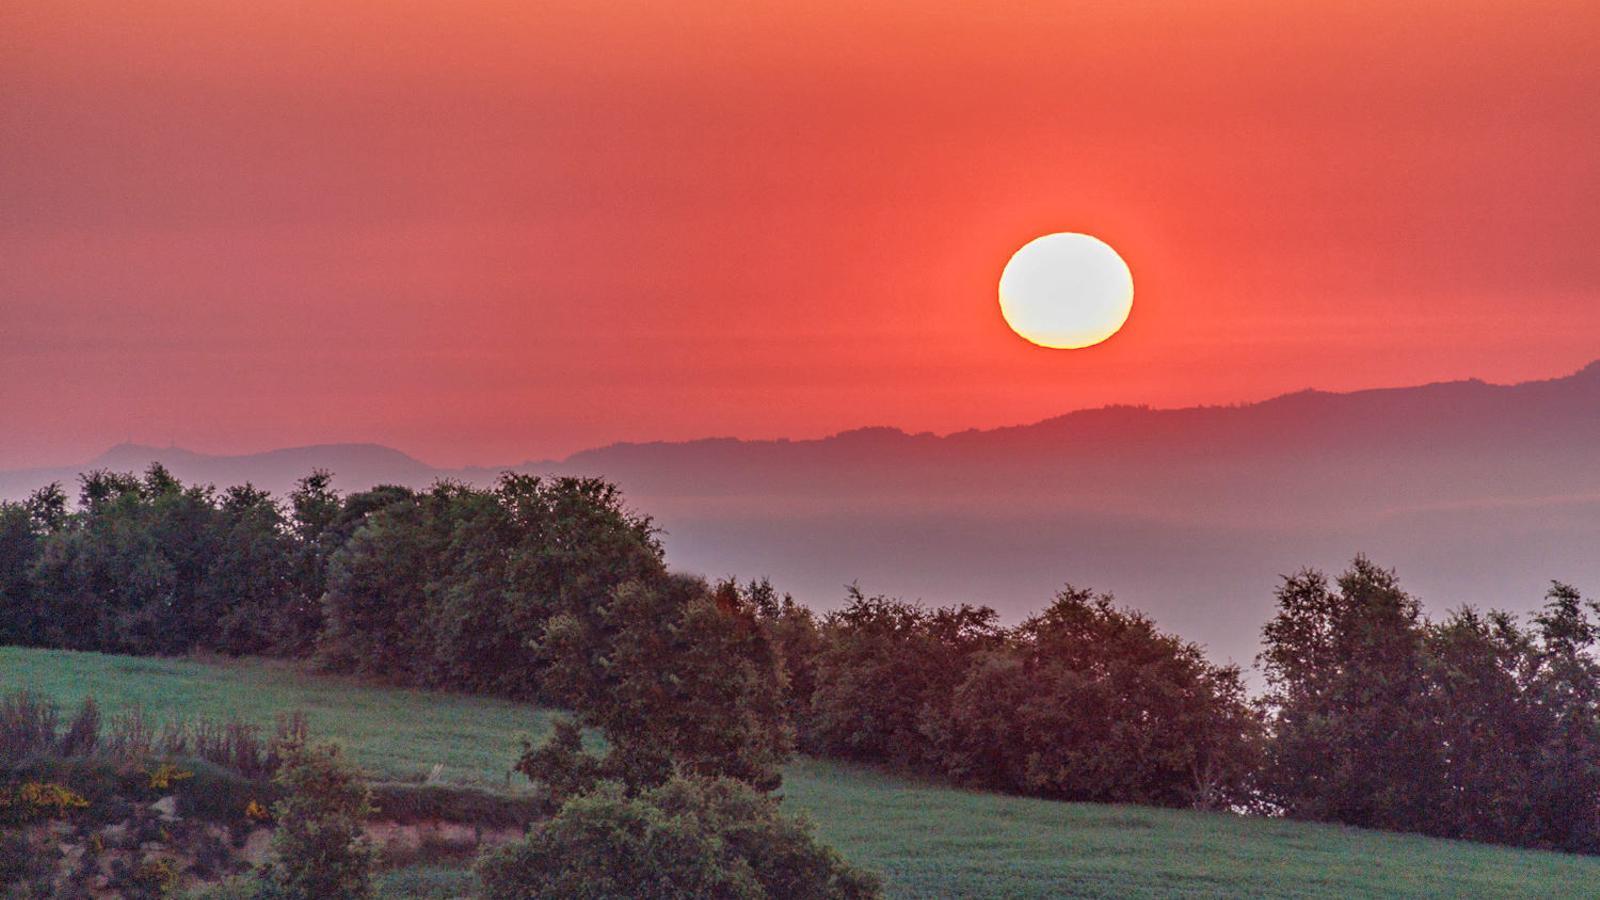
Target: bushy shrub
689, 838
560, 766
319, 845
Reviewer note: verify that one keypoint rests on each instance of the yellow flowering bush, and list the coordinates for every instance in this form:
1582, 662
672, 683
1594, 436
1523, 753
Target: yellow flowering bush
153, 878
34, 800
164, 776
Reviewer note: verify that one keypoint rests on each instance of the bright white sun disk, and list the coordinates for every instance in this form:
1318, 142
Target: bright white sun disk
1066, 291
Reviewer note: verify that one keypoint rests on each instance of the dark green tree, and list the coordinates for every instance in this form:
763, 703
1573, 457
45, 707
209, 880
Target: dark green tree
24, 527
1089, 701
314, 508
687, 681
575, 544
797, 635
1485, 730
1348, 702
251, 584
475, 646
375, 608
130, 574
884, 661
1564, 687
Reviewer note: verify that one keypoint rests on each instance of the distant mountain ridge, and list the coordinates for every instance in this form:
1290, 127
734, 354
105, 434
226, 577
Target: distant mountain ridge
1319, 423
1477, 492
1355, 454
275, 470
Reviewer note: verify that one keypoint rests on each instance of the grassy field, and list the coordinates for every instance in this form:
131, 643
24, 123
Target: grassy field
927, 840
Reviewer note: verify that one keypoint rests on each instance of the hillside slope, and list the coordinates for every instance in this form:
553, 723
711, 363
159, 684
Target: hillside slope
928, 840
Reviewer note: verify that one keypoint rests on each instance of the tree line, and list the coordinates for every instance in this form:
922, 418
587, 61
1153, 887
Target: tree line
1479, 726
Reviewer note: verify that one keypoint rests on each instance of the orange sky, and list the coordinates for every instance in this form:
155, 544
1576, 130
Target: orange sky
484, 232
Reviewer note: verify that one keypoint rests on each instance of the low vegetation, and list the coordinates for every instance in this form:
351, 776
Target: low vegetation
690, 837
136, 817
137, 805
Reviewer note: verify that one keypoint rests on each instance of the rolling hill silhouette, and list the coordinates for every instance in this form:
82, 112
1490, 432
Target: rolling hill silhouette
1477, 493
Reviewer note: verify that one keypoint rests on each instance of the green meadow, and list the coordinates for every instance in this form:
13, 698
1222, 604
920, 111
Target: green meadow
927, 840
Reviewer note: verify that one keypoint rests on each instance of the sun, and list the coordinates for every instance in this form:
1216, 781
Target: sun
1066, 291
